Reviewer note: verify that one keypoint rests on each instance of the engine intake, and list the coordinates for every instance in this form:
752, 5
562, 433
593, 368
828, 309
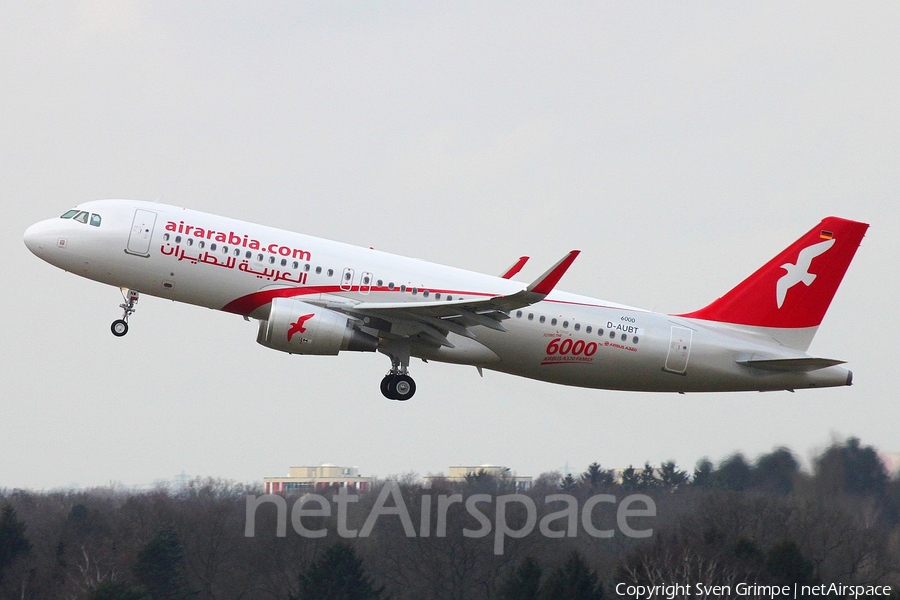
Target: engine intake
300, 328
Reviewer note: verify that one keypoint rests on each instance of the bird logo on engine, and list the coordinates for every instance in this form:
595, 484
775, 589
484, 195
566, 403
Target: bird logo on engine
299, 326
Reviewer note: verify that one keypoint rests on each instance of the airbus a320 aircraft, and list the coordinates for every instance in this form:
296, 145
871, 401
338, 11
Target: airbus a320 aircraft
315, 296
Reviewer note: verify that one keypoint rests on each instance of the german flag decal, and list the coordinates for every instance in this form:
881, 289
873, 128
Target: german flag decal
826, 235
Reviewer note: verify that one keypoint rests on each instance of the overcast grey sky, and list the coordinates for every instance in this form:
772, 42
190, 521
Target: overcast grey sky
679, 146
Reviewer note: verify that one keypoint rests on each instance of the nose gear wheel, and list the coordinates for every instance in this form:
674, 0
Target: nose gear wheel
119, 327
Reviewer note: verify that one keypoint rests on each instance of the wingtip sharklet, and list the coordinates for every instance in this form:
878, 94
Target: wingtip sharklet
544, 284
513, 270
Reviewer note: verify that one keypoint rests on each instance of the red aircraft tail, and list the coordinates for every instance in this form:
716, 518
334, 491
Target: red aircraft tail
794, 289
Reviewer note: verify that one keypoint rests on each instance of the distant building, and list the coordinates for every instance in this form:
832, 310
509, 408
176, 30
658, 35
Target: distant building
458, 474
323, 478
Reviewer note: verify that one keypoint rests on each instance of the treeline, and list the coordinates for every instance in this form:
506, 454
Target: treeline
765, 521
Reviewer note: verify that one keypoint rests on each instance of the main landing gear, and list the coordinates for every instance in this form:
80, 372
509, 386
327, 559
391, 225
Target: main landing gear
119, 327
397, 384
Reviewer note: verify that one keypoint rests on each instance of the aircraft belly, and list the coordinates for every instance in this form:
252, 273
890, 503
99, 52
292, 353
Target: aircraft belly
465, 351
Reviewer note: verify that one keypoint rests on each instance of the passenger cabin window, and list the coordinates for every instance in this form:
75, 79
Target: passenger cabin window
69, 214
95, 220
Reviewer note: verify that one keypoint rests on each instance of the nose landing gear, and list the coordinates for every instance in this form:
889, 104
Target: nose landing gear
119, 327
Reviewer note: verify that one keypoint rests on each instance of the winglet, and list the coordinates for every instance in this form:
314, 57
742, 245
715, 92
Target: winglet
511, 272
544, 284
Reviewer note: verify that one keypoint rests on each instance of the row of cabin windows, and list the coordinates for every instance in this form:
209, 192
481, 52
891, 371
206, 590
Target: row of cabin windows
296, 265
589, 329
260, 257
82, 216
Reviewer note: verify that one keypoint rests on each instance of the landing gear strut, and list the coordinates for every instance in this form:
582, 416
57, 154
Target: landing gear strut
120, 326
397, 384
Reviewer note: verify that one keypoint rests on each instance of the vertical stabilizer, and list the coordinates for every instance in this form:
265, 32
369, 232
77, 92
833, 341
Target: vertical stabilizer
793, 290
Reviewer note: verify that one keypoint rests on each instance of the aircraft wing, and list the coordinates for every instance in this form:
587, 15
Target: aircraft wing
436, 319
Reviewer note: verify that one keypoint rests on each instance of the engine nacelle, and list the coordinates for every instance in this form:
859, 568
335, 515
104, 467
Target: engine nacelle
300, 328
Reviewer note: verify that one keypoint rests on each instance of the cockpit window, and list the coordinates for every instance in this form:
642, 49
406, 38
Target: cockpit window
82, 217
69, 214
95, 220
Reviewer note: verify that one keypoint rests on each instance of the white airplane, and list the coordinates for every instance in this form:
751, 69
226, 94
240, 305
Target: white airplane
315, 296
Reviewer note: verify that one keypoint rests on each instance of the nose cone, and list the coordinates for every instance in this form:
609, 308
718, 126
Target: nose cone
40, 237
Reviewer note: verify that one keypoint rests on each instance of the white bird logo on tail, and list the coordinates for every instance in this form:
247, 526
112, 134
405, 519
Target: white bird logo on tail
799, 272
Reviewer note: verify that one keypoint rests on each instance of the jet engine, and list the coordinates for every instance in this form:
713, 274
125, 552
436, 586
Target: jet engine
300, 328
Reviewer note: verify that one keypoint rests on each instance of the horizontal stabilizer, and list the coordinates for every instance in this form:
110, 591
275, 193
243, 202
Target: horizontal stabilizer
791, 364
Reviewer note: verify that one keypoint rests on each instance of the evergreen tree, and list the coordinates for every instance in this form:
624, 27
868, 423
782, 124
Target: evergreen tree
523, 582
671, 476
569, 483
337, 575
647, 477
630, 478
160, 567
573, 580
703, 473
857, 468
734, 473
12, 538
776, 471
596, 476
